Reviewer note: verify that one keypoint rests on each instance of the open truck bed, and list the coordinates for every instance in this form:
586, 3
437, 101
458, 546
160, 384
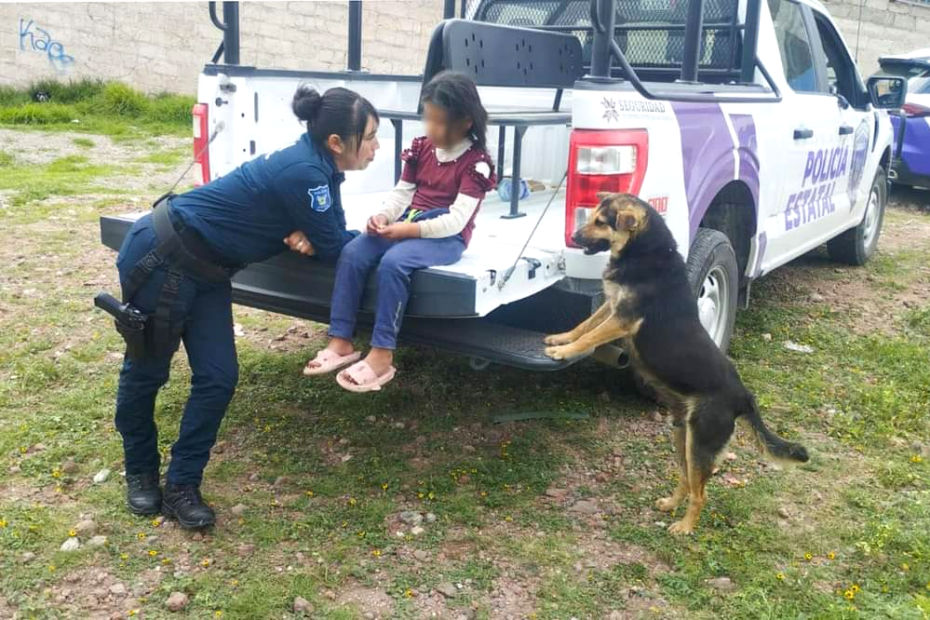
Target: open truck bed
490, 323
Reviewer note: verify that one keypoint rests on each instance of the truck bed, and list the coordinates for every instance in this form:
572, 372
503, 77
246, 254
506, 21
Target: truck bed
503, 326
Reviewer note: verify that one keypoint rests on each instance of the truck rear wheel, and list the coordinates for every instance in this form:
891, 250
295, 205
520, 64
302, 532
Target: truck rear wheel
856, 245
714, 277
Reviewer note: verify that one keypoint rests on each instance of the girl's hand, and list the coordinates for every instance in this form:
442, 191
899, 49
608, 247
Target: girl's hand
298, 242
375, 224
401, 230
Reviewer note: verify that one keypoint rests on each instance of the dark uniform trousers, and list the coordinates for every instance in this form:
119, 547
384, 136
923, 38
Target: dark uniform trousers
205, 310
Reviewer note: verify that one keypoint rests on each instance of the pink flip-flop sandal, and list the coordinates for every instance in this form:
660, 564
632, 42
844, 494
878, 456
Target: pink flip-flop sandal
361, 378
329, 361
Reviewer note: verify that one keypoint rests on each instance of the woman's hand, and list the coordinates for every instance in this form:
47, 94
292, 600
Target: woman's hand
375, 224
401, 230
298, 242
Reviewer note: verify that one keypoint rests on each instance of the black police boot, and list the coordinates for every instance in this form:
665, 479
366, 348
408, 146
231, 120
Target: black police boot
143, 495
184, 503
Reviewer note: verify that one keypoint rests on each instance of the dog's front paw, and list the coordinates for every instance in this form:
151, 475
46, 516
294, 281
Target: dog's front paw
681, 528
667, 504
556, 339
558, 353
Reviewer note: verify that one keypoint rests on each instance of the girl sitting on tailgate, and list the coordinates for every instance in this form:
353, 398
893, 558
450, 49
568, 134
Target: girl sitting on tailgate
427, 220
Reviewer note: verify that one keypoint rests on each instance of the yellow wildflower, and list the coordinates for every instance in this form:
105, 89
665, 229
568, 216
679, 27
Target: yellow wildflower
56, 473
849, 595
141, 535
831, 556
408, 593
808, 556
309, 493
152, 553
205, 562
917, 458
855, 588
780, 576
72, 533
376, 553
352, 501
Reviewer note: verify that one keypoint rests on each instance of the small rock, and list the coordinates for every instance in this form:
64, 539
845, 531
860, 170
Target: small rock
730, 456
280, 338
721, 584
69, 466
97, 541
177, 601
219, 447
798, 348
816, 297
246, 549
302, 606
85, 527
27, 557
584, 506
329, 594
72, 544
15, 469
416, 530
430, 517
238, 331
117, 589
767, 337
398, 425
411, 517
657, 416
280, 481
152, 539
604, 397
157, 521
371, 419
101, 476
556, 493
238, 510
421, 555
783, 512
447, 589
198, 536
254, 477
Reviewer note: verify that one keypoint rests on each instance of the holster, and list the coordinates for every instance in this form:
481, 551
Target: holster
181, 253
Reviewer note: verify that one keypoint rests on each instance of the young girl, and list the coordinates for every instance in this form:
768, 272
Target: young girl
427, 220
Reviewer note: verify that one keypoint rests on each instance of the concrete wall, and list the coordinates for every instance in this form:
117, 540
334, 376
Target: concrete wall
163, 46
888, 27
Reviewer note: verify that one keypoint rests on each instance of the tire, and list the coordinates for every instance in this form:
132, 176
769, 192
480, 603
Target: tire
857, 245
714, 277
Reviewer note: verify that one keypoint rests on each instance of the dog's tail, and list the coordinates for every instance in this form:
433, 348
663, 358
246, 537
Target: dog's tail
774, 446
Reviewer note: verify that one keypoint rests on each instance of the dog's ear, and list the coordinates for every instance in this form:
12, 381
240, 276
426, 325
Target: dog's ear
626, 221
602, 196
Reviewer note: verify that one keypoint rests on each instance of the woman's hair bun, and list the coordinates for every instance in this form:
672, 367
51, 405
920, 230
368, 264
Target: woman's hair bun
307, 103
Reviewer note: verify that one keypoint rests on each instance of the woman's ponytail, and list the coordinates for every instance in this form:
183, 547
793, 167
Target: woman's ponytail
307, 103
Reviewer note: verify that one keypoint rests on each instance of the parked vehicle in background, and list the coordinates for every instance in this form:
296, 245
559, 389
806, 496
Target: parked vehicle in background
911, 165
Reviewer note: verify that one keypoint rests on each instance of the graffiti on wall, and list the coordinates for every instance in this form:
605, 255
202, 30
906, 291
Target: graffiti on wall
33, 38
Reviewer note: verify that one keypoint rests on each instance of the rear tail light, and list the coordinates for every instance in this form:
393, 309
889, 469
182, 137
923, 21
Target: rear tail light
914, 110
201, 141
601, 161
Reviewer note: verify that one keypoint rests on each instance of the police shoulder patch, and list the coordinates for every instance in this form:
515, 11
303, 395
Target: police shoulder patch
320, 200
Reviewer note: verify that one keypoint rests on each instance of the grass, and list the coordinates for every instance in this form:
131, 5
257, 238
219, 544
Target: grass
321, 475
109, 108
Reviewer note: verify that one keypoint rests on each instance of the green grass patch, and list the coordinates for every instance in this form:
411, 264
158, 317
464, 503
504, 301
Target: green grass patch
110, 108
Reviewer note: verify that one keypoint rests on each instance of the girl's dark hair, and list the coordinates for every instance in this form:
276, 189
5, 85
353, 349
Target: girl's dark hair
457, 95
338, 111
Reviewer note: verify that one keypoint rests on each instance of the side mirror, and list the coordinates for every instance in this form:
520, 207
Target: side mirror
887, 92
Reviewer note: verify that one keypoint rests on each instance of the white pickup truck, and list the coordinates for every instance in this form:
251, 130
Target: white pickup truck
744, 122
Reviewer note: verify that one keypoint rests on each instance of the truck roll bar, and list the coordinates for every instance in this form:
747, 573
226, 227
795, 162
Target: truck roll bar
605, 47
229, 46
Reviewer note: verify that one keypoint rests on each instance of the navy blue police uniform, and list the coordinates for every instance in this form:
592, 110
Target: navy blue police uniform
240, 218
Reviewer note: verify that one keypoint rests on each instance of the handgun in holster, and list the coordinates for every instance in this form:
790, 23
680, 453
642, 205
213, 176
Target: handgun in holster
130, 323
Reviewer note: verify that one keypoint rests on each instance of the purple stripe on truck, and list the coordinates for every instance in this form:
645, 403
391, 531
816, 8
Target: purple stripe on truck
706, 155
745, 128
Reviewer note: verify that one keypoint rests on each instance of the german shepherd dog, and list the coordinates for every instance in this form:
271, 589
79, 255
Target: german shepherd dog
650, 307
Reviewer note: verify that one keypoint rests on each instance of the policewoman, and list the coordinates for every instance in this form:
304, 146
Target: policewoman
175, 264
